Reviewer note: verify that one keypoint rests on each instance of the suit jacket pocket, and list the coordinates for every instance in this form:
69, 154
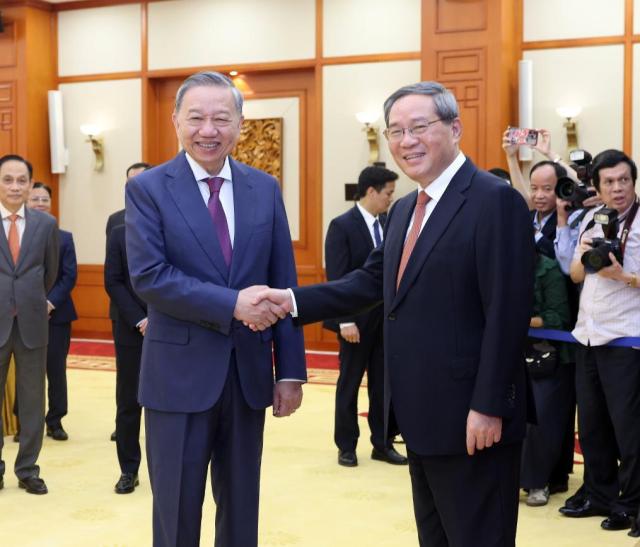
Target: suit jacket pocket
465, 367
168, 334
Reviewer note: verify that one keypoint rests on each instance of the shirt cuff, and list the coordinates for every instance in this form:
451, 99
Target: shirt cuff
51, 304
345, 325
291, 380
294, 305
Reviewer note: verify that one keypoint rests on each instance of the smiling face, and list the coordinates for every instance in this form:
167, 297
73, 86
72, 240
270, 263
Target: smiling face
208, 125
379, 202
15, 184
543, 185
423, 157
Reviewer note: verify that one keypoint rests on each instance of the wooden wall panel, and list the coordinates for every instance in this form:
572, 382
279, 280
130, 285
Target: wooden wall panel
460, 16
92, 303
9, 46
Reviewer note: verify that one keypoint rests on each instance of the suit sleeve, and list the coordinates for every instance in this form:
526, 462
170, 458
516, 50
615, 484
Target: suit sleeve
115, 280
52, 256
288, 339
505, 270
68, 268
337, 252
158, 282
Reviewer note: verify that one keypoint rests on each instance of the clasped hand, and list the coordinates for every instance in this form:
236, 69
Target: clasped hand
259, 307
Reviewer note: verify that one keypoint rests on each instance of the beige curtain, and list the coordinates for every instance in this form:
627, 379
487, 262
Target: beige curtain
9, 421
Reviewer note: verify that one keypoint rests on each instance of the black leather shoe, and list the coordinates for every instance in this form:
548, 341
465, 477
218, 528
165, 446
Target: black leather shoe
347, 458
113, 436
33, 485
584, 510
57, 433
577, 500
1, 483
389, 455
618, 521
635, 527
16, 438
127, 483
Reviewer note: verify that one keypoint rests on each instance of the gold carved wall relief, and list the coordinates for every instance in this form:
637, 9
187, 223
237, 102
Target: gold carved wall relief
260, 145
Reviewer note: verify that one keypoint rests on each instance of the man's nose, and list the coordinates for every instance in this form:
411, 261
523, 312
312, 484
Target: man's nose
208, 128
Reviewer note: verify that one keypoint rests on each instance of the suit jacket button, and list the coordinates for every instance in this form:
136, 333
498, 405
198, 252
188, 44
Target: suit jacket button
391, 317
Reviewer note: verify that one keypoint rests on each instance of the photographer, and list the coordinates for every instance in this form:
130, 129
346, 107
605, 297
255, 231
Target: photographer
540, 195
608, 376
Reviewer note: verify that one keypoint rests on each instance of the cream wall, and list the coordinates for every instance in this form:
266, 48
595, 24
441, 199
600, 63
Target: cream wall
99, 40
557, 82
348, 89
556, 19
201, 32
357, 27
635, 126
88, 197
287, 108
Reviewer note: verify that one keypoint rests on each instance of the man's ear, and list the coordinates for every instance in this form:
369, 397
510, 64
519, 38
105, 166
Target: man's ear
456, 128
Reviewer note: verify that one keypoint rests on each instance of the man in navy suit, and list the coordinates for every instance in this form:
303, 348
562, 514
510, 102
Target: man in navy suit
61, 313
455, 273
117, 219
129, 327
350, 238
200, 230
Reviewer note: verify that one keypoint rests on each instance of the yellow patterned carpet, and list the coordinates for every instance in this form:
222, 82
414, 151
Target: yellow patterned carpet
307, 499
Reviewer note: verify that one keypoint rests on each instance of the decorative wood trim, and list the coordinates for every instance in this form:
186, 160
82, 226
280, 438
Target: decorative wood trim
99, 77
38, 4
10, 35
476, 20
183, 72
92, 303
144, 36
574, 42
371, 58
65, 6
319, 28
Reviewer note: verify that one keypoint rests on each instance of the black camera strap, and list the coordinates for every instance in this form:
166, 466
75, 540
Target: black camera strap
627, 225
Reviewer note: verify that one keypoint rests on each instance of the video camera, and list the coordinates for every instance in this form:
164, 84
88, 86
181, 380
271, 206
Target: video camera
574, 192
597, 257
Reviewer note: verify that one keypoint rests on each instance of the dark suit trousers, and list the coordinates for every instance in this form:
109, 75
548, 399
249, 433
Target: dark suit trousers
463, 501
30, 373
543, 446
57, 351
608, 388
354, 360
128, 411
180, 448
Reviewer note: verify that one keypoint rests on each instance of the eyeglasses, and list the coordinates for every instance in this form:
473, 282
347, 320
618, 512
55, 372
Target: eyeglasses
40, 200
397, 133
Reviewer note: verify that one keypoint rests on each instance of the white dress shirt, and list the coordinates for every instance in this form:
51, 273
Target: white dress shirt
226, 190
609, 309
369, 220
6, 223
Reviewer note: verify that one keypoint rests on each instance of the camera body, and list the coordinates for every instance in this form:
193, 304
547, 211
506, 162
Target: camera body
576, 192
597, 257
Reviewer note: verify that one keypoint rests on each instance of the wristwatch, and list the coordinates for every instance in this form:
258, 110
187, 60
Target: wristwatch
633, 282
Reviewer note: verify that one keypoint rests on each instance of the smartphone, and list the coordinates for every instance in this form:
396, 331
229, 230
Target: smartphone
520, 135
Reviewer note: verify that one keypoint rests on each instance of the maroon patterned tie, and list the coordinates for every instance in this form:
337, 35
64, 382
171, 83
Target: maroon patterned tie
219, 218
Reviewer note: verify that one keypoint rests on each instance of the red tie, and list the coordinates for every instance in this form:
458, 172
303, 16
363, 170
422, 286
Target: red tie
14, 238
410, 243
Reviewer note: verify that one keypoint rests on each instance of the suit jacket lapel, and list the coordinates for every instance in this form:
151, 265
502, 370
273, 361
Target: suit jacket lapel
31, 226
244, 203
4, 247
184, 190
362, 227
394, 242
444, 212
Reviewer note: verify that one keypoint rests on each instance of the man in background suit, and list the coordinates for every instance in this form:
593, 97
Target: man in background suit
61, 313
28, 267
350, 238
116, 219
455, 272
201, 229
129, 328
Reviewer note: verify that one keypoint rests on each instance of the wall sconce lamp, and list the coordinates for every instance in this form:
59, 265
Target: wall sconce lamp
371, 131
92, 133
569, 113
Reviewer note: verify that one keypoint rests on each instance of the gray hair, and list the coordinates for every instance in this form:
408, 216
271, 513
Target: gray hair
209, 78
444, 101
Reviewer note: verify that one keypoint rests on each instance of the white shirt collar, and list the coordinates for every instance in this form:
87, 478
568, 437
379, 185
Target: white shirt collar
200, 172
368, 217
5, 212
440, 184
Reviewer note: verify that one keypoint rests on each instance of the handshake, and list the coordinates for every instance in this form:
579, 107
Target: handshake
259, 307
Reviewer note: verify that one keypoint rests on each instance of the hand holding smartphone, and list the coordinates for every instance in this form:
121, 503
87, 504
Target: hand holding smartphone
520, 135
